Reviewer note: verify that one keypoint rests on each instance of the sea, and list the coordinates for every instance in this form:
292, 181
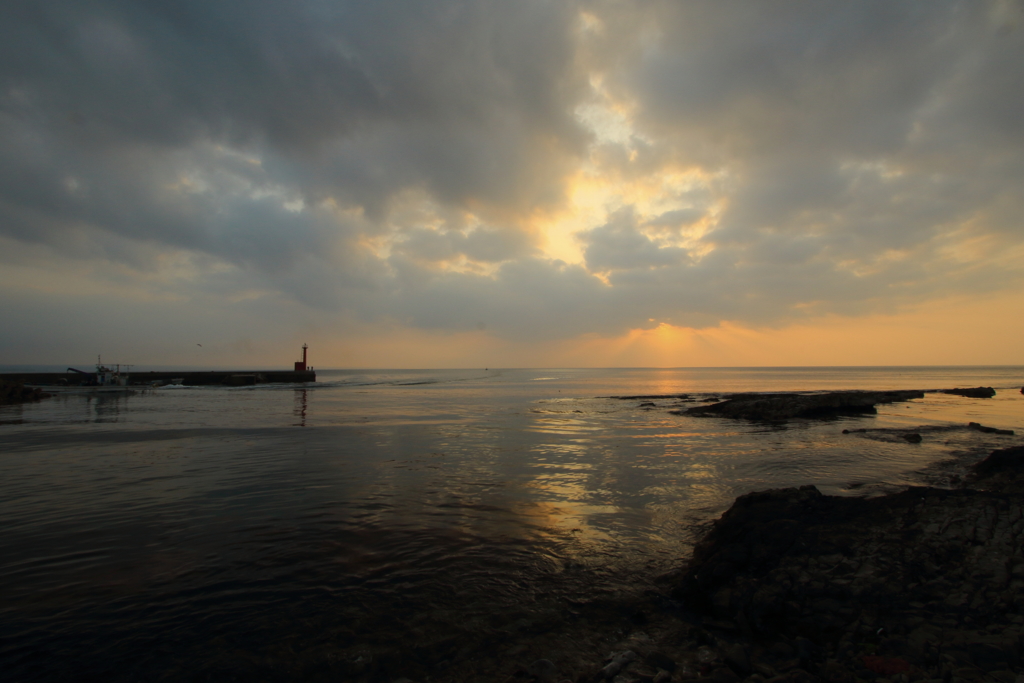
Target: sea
381, 524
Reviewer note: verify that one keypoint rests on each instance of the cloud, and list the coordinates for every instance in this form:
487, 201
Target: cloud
350, 101
410, 162
677, 218
620, 245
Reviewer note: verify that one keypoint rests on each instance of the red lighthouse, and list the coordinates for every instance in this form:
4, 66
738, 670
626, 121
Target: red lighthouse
300, 365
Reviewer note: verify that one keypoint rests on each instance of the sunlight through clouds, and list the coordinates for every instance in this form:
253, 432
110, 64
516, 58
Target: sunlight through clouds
663, 179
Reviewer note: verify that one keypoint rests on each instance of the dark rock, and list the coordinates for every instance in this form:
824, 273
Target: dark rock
988, 430
834, 672
777, 407
16, 392
619, 661
1002, 470
913, 438
794, 676
737, 659
647, 403
542, 670
722, 624
886, 666
806, 650
660, 660
687, 672
788, 561
925, 584
662, 677
648, 397
976, 392
990, 657
722, 675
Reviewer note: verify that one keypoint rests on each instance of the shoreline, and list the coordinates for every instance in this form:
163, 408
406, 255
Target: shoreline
794, 586
16, 393
820, 623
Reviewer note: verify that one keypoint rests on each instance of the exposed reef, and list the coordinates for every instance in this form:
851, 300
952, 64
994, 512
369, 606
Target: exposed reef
927, 583
777, 407
988, 430
792, 586
650, 397
976, 392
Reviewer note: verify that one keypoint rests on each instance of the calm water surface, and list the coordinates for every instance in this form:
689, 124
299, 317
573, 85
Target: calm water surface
413, 516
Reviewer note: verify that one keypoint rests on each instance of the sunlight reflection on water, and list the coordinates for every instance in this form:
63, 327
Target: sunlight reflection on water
439, 500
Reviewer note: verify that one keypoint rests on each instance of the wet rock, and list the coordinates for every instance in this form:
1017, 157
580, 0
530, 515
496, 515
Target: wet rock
976, 392
737, 659
1003, 469
791, 585
834, 672
913, 438
923, 584
886, 666
686, 672
778, 407
542, 670
16, 392
618, 661
988, 430
794, 676
660, 660
649, 397
723, 675
806, 650
706, 656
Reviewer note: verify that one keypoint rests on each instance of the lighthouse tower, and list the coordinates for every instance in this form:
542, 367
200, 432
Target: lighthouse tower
300, 365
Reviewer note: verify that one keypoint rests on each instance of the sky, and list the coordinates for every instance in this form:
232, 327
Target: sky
512, 183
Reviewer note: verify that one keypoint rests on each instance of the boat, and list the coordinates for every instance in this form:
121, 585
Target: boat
105, 379
104, 376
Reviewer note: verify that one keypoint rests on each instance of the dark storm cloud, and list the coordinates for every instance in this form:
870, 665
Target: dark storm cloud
352, 100
855, 156
293, 74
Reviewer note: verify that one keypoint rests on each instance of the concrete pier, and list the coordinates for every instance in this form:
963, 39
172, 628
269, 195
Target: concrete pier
192, 377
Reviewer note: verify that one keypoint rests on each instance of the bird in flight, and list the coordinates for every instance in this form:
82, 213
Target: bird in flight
198, 344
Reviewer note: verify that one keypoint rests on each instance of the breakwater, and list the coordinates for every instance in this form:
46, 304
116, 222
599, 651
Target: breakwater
191, 378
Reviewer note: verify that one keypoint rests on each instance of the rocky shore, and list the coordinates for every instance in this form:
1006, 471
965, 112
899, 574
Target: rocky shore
16, 392
778, 407
794, 586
